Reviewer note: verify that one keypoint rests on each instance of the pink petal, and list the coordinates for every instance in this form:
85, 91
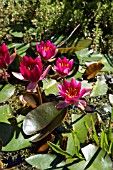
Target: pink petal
45, 73
88, 91
35, 74
71, 63
44, 53
66, 71
66, 84
19, 76
82, 92
73, 82
32, 86
62, 105
80, 103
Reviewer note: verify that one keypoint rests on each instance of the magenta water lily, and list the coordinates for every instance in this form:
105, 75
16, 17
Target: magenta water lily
31, 70
63, 66
46, 50
5, 57
72, 93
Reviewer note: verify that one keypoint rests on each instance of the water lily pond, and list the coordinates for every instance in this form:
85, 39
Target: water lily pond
56, 92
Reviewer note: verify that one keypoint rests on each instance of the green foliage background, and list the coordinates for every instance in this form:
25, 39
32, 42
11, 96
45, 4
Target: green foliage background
35, 20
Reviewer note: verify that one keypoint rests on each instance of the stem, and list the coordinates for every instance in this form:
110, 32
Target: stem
39, 94
82, 111
5, 75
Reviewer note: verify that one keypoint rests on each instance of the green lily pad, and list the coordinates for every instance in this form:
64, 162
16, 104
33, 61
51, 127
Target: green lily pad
100, 88
7, 91
78, 123
50, 86
45, 161
95, 158
5, 113
17, 141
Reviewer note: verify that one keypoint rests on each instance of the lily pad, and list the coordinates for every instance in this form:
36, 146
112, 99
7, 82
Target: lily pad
50, 86
78, 123
100, 88
17, 141
5, 113
7, 91
95, 158
45, 161
43, 119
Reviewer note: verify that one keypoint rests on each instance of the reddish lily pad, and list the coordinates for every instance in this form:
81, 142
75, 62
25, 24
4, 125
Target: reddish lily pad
43, 120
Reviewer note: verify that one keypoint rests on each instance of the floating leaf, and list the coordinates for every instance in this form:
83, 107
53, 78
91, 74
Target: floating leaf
80, 45
44, 119
92, 70
100, 88
17, 141
73, 144
31, 99
111, 98
50, 86
95, 158
5, 113
46, 161
6, 92
78, 123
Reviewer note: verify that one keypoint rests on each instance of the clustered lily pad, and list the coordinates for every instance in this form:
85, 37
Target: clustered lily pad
56, 101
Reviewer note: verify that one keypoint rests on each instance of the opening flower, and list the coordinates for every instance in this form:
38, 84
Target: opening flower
46, 50
31, 70
5, 57
72, 93
63, 66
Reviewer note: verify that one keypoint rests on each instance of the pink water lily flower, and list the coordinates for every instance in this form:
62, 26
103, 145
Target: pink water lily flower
5, 57
46, 50
72, 93
31, 70
63, 66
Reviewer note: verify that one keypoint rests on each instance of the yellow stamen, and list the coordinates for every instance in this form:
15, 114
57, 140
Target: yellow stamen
70, 92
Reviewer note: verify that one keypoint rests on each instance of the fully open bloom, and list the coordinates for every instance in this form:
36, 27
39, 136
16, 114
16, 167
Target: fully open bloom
46, 50
72, 93
5, 57
31, 70
63, 66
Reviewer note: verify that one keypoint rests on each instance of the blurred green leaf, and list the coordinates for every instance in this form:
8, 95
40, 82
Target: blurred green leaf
111, 99
16, 34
